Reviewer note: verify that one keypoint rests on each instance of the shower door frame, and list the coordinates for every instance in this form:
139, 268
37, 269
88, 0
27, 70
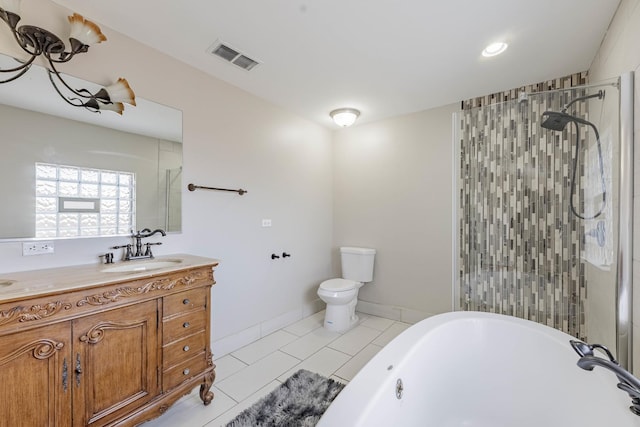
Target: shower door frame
624, 289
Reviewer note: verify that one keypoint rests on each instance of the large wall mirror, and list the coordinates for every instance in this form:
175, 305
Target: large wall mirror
66, 172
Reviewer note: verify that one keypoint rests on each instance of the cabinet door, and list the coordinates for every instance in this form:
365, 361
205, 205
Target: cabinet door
36, 378
115, 356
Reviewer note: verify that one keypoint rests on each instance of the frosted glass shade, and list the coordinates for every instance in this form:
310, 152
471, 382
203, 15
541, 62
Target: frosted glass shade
344, 116
85, 31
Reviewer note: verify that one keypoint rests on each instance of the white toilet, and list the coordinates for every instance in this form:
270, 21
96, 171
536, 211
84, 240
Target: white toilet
341, 295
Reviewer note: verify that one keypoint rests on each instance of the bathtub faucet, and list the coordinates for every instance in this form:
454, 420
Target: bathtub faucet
628, 382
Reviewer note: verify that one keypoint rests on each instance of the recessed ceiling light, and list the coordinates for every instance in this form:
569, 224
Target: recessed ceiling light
494, 49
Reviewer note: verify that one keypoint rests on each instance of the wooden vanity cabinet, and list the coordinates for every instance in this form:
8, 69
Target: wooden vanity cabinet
115, 355
34, 367
115, 359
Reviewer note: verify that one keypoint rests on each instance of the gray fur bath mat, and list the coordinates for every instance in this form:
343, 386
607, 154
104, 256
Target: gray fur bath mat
298, 402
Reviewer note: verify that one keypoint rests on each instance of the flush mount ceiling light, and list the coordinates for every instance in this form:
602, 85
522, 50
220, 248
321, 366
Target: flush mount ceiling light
37, 41
344, 116
494, 49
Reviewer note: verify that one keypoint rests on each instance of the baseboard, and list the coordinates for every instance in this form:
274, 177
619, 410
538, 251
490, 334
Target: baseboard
401, 314
253, 333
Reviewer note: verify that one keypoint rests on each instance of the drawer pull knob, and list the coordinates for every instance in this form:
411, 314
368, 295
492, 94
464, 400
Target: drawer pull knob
186, 301
186, 325
186, 348
186, 371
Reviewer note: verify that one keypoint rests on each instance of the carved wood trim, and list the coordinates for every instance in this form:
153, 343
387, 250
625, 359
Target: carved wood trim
209, 377
42, 349
209, 357
96, 334
205, 388
35, 312
161, 284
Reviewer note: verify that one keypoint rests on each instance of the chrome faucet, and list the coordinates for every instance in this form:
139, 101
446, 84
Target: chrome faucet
588, 360
129, 253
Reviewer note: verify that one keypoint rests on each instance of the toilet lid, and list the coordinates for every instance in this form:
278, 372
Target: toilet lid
338, 285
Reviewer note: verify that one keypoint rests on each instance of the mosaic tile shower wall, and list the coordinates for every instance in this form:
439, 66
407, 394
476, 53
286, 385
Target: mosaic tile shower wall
519, 245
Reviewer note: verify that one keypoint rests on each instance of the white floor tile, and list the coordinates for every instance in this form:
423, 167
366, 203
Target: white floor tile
378, 323
226, 417
244, 383
388, 335
255, 370
355, 340
190, 411
353, 366
184, 402
233, 342
325, 362
257, 350
307, 324
227, 365
309, 344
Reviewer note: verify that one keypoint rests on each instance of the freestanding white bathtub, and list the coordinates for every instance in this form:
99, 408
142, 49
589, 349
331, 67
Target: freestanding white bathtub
480, 370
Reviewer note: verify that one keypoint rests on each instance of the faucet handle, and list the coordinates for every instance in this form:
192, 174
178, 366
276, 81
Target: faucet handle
128, 252
148, 251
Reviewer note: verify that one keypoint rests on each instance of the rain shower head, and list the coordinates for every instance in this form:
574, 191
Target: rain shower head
555, 120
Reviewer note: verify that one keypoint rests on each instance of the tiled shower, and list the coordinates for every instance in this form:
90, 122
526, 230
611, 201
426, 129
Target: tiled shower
521, 250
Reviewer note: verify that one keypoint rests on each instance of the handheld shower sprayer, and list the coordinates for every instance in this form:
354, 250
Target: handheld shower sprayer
557, 121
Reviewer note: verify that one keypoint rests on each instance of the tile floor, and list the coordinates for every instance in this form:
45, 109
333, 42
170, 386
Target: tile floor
247, 374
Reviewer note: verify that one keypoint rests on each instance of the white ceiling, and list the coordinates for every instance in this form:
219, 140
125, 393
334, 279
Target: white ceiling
384, 57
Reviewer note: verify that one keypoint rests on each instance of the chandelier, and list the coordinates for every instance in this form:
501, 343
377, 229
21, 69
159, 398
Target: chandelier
37, 41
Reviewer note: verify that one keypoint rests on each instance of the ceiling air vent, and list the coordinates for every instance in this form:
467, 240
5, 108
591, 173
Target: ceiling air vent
232, 55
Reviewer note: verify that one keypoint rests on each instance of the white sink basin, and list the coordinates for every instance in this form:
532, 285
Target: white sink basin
6, 283
133, 266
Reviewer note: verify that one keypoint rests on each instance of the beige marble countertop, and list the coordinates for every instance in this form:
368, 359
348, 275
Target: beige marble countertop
24, 284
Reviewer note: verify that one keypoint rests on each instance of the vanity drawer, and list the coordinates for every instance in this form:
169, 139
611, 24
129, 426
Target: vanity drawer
185, 370
192, 299
182, 326
184, 349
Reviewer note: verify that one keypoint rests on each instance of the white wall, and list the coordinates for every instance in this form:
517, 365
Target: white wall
393, 192
231, 139
620, 53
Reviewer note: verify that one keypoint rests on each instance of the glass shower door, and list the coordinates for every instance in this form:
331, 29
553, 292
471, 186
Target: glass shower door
531, 240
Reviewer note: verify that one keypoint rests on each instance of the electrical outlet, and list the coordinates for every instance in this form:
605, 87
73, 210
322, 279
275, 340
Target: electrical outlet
37, 248
266, 223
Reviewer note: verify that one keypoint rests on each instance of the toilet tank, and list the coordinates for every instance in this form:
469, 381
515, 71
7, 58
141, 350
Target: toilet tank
357, 263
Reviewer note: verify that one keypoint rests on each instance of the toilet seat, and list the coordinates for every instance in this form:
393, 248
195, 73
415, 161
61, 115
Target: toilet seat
339, 285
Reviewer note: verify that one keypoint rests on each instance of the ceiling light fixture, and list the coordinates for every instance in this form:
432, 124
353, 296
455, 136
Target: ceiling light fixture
37, 41
494, 49
344, 116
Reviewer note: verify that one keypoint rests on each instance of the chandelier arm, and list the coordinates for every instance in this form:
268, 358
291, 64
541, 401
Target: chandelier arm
23, 68
83, 93
10, 79
91, 104
76, 47
24, 45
